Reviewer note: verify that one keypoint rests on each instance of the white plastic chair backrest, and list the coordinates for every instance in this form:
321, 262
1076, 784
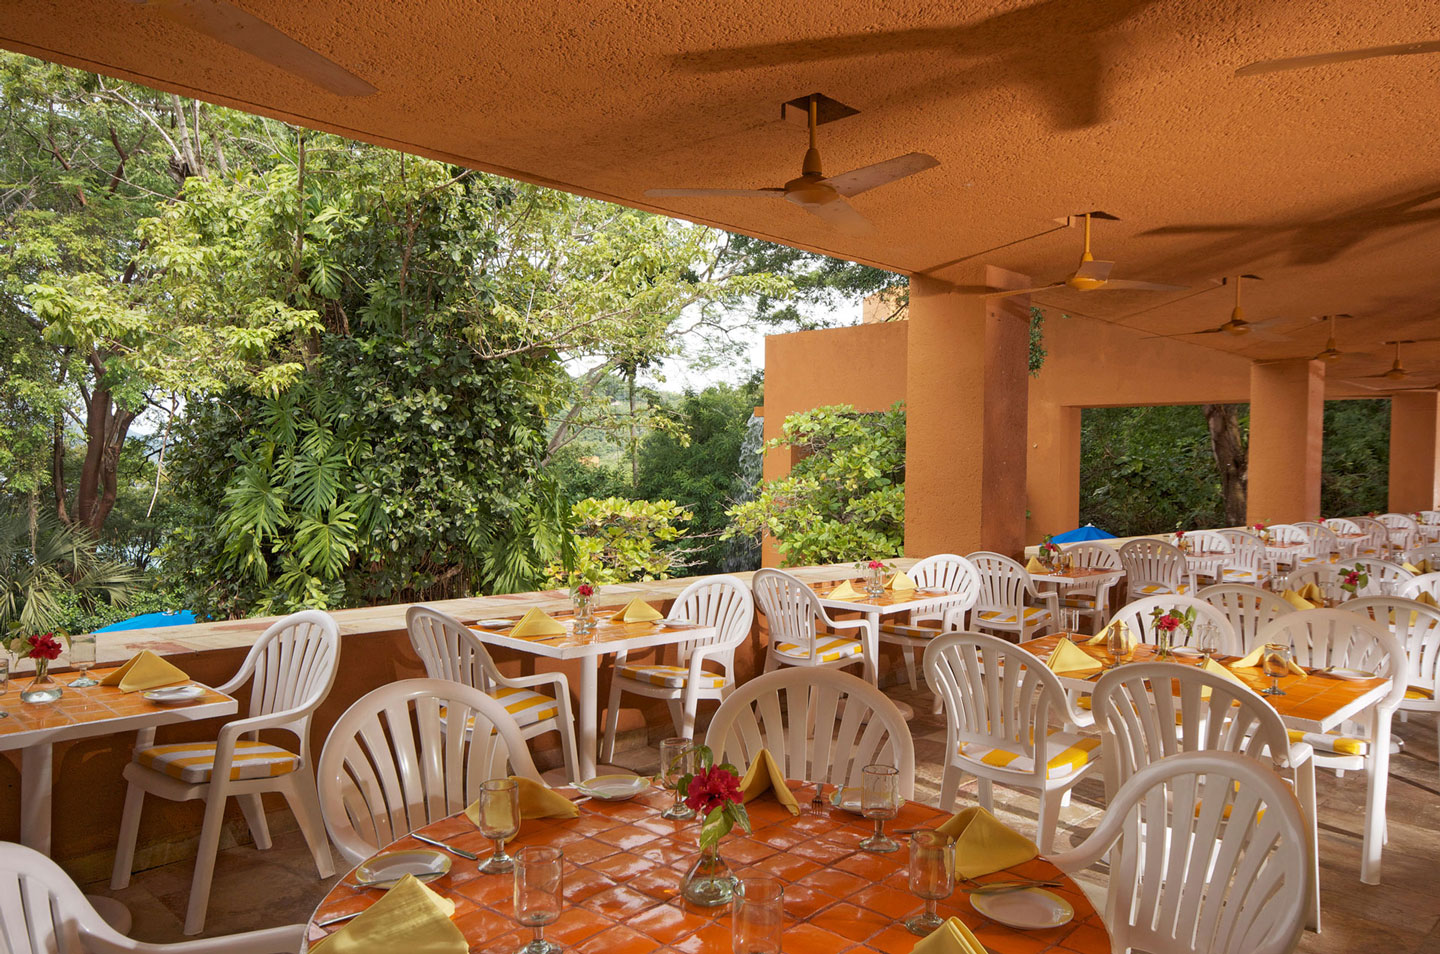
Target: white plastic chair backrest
1149, 561
1247, 551
791, 608
449, 649
1147, 711
1376, 533
1324, 575
1424, 583
1288, 533
1341, 525
1416, 625
1430, 518
947, 571
1403, 528
291, 667
42, 911
394, 761
1140, 617
996, 694
1230, 876
723, 602
1094, 556
1004, 583
1206, 541
1248, 608
777, 710
1338, 637
1323, 541
1427, 551
1380, 575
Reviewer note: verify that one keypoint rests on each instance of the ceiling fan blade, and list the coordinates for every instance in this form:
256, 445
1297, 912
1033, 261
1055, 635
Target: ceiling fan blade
1094, 271
1390, 387
1127, 285
841, 215
1022, 291
878, 174
676, 193
248, 33
1344, 56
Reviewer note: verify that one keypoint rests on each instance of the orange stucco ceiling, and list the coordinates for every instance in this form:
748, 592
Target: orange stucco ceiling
1325, 181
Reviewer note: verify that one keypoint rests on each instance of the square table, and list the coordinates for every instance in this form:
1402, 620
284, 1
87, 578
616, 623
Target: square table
889, 603
608, 638
82, 714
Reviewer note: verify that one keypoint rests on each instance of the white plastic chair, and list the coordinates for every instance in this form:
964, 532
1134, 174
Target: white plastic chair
1229, 877
1377, 540
795, 617
1327, 576
451, 650
1092, 599
1429, 552
1248, 608
821, 726
1424, 583
1429, 526
722, 602
944, 571
1205, 555
1404, 529
1002, 605
1324, 546
43, 911
1383, 578
1417, 626
1338, 637
1005, 713
1249, 560
293, 665
1140, 617
1153, 567
389, 767
1349, 548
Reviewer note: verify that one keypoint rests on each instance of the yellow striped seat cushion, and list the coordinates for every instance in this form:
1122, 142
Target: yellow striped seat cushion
1069, 753
670, 677
526, 705
827, 648
1416, 694
1336, 744
1150, 589
1078, 602
928, 629
194, 762
1243, 576
1033, 614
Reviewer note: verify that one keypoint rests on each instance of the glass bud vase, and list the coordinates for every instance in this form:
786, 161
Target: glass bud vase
1163, 641
875, 581
709, 883
43, 688
584, 607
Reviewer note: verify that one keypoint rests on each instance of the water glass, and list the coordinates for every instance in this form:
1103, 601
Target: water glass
932, 877
677, 760
759, 916
82, 657
879, 799
1071, 618
1275, 661
539, 888
1117, 643
499, 820
1208, 637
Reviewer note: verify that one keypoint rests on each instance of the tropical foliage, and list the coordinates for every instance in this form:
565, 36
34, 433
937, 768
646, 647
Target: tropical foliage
622, 541
48, 571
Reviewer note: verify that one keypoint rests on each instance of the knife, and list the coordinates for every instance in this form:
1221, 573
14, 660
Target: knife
450, 848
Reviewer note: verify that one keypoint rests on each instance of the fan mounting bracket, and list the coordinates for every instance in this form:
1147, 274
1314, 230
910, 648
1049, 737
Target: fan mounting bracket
827, 110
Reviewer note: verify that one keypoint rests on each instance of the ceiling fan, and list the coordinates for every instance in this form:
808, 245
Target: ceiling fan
248, 33
1091, 275
1332, 351
820, 195
1391, 379
1237, 324
1342, 56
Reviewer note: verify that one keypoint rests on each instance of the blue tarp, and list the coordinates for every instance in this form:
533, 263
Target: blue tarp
1079, 534
150, 621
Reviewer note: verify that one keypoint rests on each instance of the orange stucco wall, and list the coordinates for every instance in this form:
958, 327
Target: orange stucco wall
1414, 443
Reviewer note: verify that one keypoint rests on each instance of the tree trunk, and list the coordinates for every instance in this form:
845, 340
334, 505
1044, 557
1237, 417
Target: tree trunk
1228, 445
106, 427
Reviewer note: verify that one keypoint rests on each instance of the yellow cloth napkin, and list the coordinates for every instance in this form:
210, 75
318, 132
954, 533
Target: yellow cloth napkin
1212, 666
952, 937
1067, 657
1251, 660
410, 918
1426, 598
536, 801
901, 583
984, 844
1100, 638
763, 776
845, 591
145, 670
1313, 593
1296, 600
637, 611
1407, 565
537, 623
1034, 566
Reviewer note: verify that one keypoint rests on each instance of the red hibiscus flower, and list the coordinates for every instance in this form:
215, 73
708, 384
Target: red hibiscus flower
45, 646
711, 788
584, 589
1168, 623
1352, 578
875, 565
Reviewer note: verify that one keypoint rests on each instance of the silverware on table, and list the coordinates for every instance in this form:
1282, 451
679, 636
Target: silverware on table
340, 917
817, 804
977, 887
471, 856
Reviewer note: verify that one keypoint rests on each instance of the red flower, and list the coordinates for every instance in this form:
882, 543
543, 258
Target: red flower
585, 589
875, 565
1352, 578
711, 788
45, 646
1168, 623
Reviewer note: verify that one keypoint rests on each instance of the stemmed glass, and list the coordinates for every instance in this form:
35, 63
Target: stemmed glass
1275, 661
539, 881
499, 820
879, 799
82, 657
1209, 639
1117, 643
677, 760
932, 877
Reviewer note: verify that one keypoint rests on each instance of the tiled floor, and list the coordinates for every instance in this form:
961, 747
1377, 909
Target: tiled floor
1401, 916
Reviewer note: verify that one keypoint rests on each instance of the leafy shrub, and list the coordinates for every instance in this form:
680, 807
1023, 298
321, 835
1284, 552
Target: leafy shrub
623, 541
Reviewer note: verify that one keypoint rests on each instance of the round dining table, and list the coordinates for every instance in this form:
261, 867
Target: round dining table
624, 864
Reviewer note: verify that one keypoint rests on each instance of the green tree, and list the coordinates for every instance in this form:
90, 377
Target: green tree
1355, 462
623, 541
49, 571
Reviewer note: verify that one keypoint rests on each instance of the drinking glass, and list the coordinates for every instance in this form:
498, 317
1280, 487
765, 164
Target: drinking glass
880, 799
539, 886
1275, 661
82, 657
759, 915
1208, 639
499, 820
932, 877
677, 760
1117, 643
1070, 619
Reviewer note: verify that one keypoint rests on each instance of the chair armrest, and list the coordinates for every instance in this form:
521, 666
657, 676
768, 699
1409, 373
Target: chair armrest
557, 679
276, 940
274, 720
861, 623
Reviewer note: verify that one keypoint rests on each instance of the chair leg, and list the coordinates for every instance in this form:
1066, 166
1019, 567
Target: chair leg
909, 654
677, 716
205, 862
254, 811
129, 830
1049, 819
949, 785
987, 794
612, 722
690, 703
1305, 795
304, 801
568, 748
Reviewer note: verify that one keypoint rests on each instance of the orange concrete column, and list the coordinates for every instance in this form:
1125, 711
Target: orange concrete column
1414, 451
966, 397
1052, 473
1287, 418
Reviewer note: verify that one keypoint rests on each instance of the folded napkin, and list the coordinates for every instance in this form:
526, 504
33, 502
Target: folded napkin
1034, 566
1102, 637
537, 623
1067, 657
763, 776
410, 918
637, 611
1252, 660
901, 583
845, 591
952, 937
536, 801
984, 844
1426, 598
1417, 568
1313, 593
1211, 666
145, 670
1296, 600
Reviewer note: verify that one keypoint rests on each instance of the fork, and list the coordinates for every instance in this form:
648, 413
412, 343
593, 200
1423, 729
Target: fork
817, 804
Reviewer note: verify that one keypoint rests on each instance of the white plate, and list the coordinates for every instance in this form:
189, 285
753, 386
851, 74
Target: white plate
932, 591
613, 788
848, 799
172, 695
384, 870
494, 623
1185, 651
1029, 909
1350, 674
676, 624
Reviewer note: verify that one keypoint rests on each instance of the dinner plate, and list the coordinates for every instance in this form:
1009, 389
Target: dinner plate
848, 799
495, 623
1186, 651
613, 788
384, 870
1029, 909
1349, 673
173, 695
676, 624
932, 591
